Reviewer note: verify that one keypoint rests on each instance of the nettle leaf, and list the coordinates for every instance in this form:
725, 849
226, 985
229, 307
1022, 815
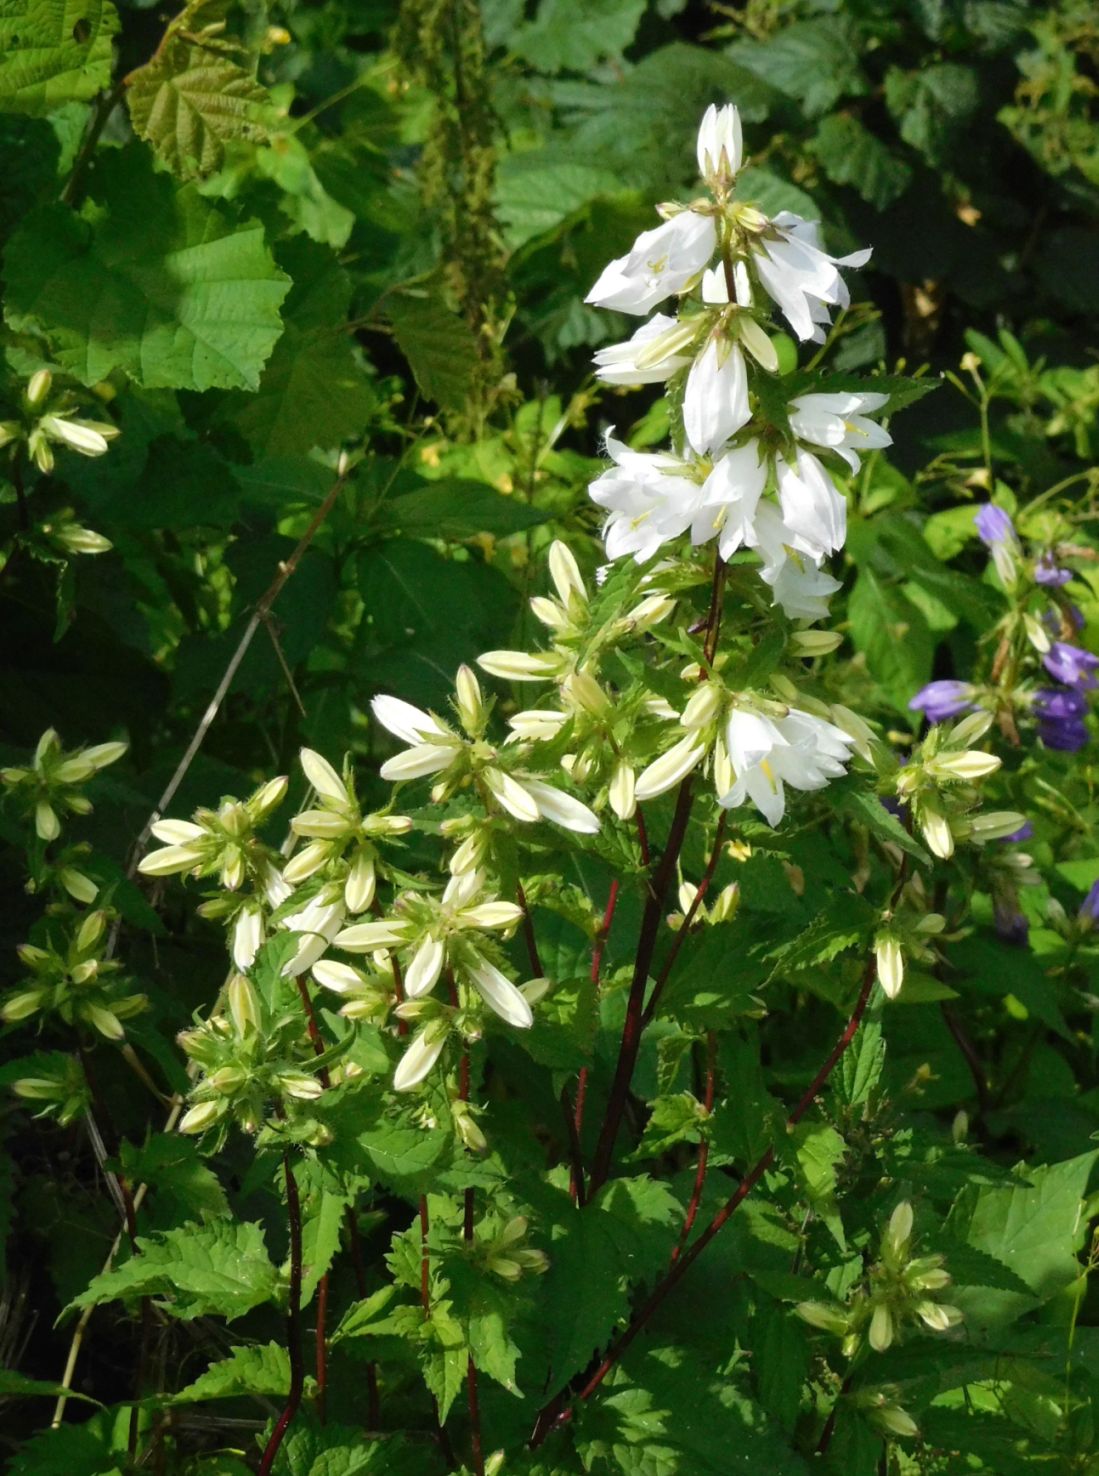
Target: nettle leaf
54, 52
180, 1181
1033, 1227
539, 189
192, 97
218, 1269
263, 1369
312, 1449
854, 799
850, 154
845, 925
439, 346
147, 278
932, 106
457, 509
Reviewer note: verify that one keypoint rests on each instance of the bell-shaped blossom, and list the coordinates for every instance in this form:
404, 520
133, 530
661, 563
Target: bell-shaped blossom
1072, 665
720, 146
768, 753
801, 277
730, 498
715, 402
944, 699
799, 586
434, 744
316, 924
839, 422
661, 262
1061, 713
997, 532
651, 499
1049, 573
813, 510
653, 354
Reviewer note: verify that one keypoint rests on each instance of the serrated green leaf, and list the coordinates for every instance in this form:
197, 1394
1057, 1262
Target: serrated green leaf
150, 279
313, 391
674, 1119
171, 1165
537, 190
571, 35
263, 1369
54, 52
439, 346
15, 1385
190, 99
220, 1268
455, 510
852, 155
845, 925
814, 61
314, 1449
894, 636
853, 798
932, 106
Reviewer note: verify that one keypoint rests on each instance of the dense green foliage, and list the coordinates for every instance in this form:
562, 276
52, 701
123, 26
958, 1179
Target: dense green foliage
295, 396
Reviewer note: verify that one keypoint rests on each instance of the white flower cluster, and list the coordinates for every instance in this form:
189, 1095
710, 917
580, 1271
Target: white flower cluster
716, 486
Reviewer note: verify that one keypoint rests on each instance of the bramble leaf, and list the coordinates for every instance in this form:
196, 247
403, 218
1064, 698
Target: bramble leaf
54, 52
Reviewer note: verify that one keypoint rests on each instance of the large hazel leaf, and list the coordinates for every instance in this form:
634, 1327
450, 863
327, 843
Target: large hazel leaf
190, 100
150, 279
53, 52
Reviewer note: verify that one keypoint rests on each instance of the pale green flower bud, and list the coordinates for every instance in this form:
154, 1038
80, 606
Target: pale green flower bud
826, 1315
565, 573
22, 1005
46, 824
323, 777
881, 1328
890, 964
811, 643
300, 1086
757, 343
621, 794
75, 539
936, 830
899, 1231
994, 825
104, 1020
38, 387
938, 1316
703, 707
244, 1006
970, 765
91, 930
199, 1118
470, 702
895, 1420
100, 755
971, 729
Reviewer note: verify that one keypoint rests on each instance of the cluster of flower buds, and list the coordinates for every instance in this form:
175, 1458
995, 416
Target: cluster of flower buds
75, 982
249, 1057
503, 1254
901, 1291
51, 787
221, 842
47, 420
939, 786
58, 1087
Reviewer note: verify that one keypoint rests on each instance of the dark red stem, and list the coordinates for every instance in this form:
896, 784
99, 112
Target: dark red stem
682, 1265
576, 1182
293, 1322
684, 932
632, 1029
528, 932
703, 1151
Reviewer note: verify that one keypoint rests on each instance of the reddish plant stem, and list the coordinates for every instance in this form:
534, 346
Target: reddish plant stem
576, 1184
703, 1151
528, 932
322, 1347
576, 1161
293, 1321
642, 836
633, 1026
684, 932
682, 1265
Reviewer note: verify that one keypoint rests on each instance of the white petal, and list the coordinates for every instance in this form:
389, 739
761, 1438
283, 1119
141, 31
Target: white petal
177, 832
423, 972
491, 915
323, 777
404, 721
501, 995
365, 937
416, 1063
414, 763
561, 808
666, 771
513, 796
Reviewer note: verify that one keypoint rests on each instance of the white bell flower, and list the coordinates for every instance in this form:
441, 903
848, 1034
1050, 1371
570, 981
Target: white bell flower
801, 277
730, 498
654, 353
798, 583
813, 510
839, 422
661, 262
768, 753
720, 146
715, 402
651, 499
317, 922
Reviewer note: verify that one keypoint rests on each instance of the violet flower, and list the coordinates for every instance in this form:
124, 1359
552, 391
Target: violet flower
1072, 665
1050, 574
944, 699
1060, 713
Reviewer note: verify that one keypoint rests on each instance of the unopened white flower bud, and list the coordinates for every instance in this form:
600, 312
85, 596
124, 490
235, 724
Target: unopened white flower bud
469, 701
890, 964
